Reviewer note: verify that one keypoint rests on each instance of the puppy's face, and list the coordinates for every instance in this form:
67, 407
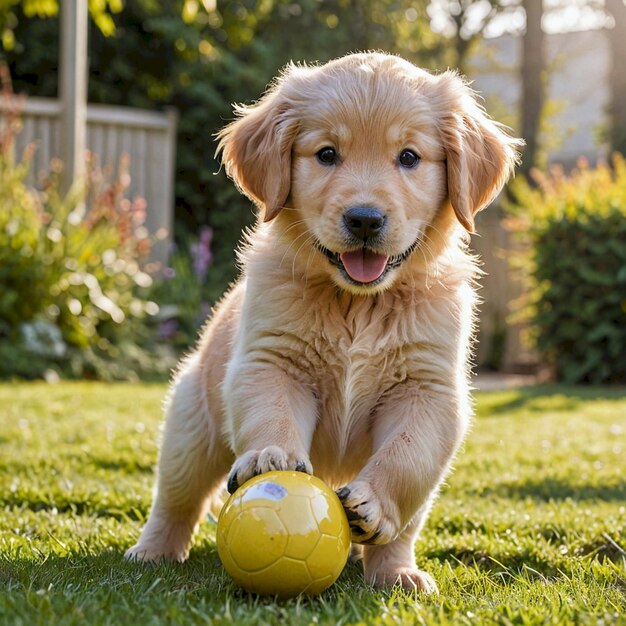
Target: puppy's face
365, 159
368, 175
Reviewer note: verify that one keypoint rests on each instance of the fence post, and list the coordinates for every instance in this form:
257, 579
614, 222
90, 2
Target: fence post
162, 252
73, 88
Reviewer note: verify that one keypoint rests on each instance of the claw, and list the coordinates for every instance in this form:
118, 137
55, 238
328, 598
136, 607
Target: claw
233, 483
301, 467
352, 516
343, 493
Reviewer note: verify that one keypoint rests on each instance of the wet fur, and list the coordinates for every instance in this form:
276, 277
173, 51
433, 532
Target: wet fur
366, 386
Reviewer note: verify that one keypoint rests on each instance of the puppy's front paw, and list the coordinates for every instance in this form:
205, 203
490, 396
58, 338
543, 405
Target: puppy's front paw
409, 578
370, 521
256, 462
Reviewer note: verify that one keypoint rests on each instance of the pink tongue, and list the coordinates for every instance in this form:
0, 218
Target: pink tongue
363, 265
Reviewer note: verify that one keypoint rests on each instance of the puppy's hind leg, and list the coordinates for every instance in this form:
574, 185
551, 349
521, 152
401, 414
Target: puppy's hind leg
394, 563
192, 464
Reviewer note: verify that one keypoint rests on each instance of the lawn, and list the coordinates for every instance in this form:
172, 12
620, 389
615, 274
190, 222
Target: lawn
530, 529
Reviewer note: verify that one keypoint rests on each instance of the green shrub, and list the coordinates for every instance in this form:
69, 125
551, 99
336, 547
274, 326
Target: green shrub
576, 263
73, 279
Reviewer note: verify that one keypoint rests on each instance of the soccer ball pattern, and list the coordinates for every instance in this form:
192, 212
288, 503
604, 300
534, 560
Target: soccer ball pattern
283, 533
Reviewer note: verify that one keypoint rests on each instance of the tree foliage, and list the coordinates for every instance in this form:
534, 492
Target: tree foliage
100, 11
463, 22
200, 58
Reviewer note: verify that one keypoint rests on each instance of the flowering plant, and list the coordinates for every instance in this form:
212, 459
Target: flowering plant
183, 291
73, 279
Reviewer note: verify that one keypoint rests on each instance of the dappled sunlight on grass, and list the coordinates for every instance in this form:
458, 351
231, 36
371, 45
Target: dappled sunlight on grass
530, 527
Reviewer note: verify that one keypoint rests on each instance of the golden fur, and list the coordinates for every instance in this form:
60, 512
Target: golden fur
366, 385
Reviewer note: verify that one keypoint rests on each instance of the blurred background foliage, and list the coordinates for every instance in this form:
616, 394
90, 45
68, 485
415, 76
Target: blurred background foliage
572, 257
153, 54
200, 56
75, 274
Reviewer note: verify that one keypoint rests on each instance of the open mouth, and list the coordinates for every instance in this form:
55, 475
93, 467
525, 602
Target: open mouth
365, 266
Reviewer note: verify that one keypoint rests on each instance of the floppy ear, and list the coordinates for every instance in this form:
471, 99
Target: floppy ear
256, 152
480, 155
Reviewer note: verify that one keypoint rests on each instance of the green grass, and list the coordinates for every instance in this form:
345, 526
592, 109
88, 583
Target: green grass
530, 529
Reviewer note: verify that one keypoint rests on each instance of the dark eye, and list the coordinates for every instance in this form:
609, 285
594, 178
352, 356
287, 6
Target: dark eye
408, 158
327, 156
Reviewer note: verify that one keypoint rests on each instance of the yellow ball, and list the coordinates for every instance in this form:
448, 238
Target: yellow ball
282, 534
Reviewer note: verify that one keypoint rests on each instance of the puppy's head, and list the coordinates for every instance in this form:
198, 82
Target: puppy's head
368, 160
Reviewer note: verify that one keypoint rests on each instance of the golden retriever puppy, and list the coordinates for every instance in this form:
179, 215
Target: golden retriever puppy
343, 348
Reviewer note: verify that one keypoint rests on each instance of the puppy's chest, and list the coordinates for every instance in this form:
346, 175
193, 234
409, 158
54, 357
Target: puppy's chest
352, 356
351, 359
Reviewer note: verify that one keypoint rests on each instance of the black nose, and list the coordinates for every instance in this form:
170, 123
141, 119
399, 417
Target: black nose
364, 222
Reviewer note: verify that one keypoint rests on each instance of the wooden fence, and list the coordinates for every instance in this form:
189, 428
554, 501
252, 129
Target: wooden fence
147, 137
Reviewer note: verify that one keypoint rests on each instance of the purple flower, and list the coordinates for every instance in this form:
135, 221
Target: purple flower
201, 253
168, 328
169, 273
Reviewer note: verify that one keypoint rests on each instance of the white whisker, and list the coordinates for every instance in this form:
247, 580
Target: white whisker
293, 265
304, 234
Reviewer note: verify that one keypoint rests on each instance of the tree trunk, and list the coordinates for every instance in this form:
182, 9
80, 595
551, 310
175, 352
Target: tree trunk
461, 47
533, 82
617, 80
